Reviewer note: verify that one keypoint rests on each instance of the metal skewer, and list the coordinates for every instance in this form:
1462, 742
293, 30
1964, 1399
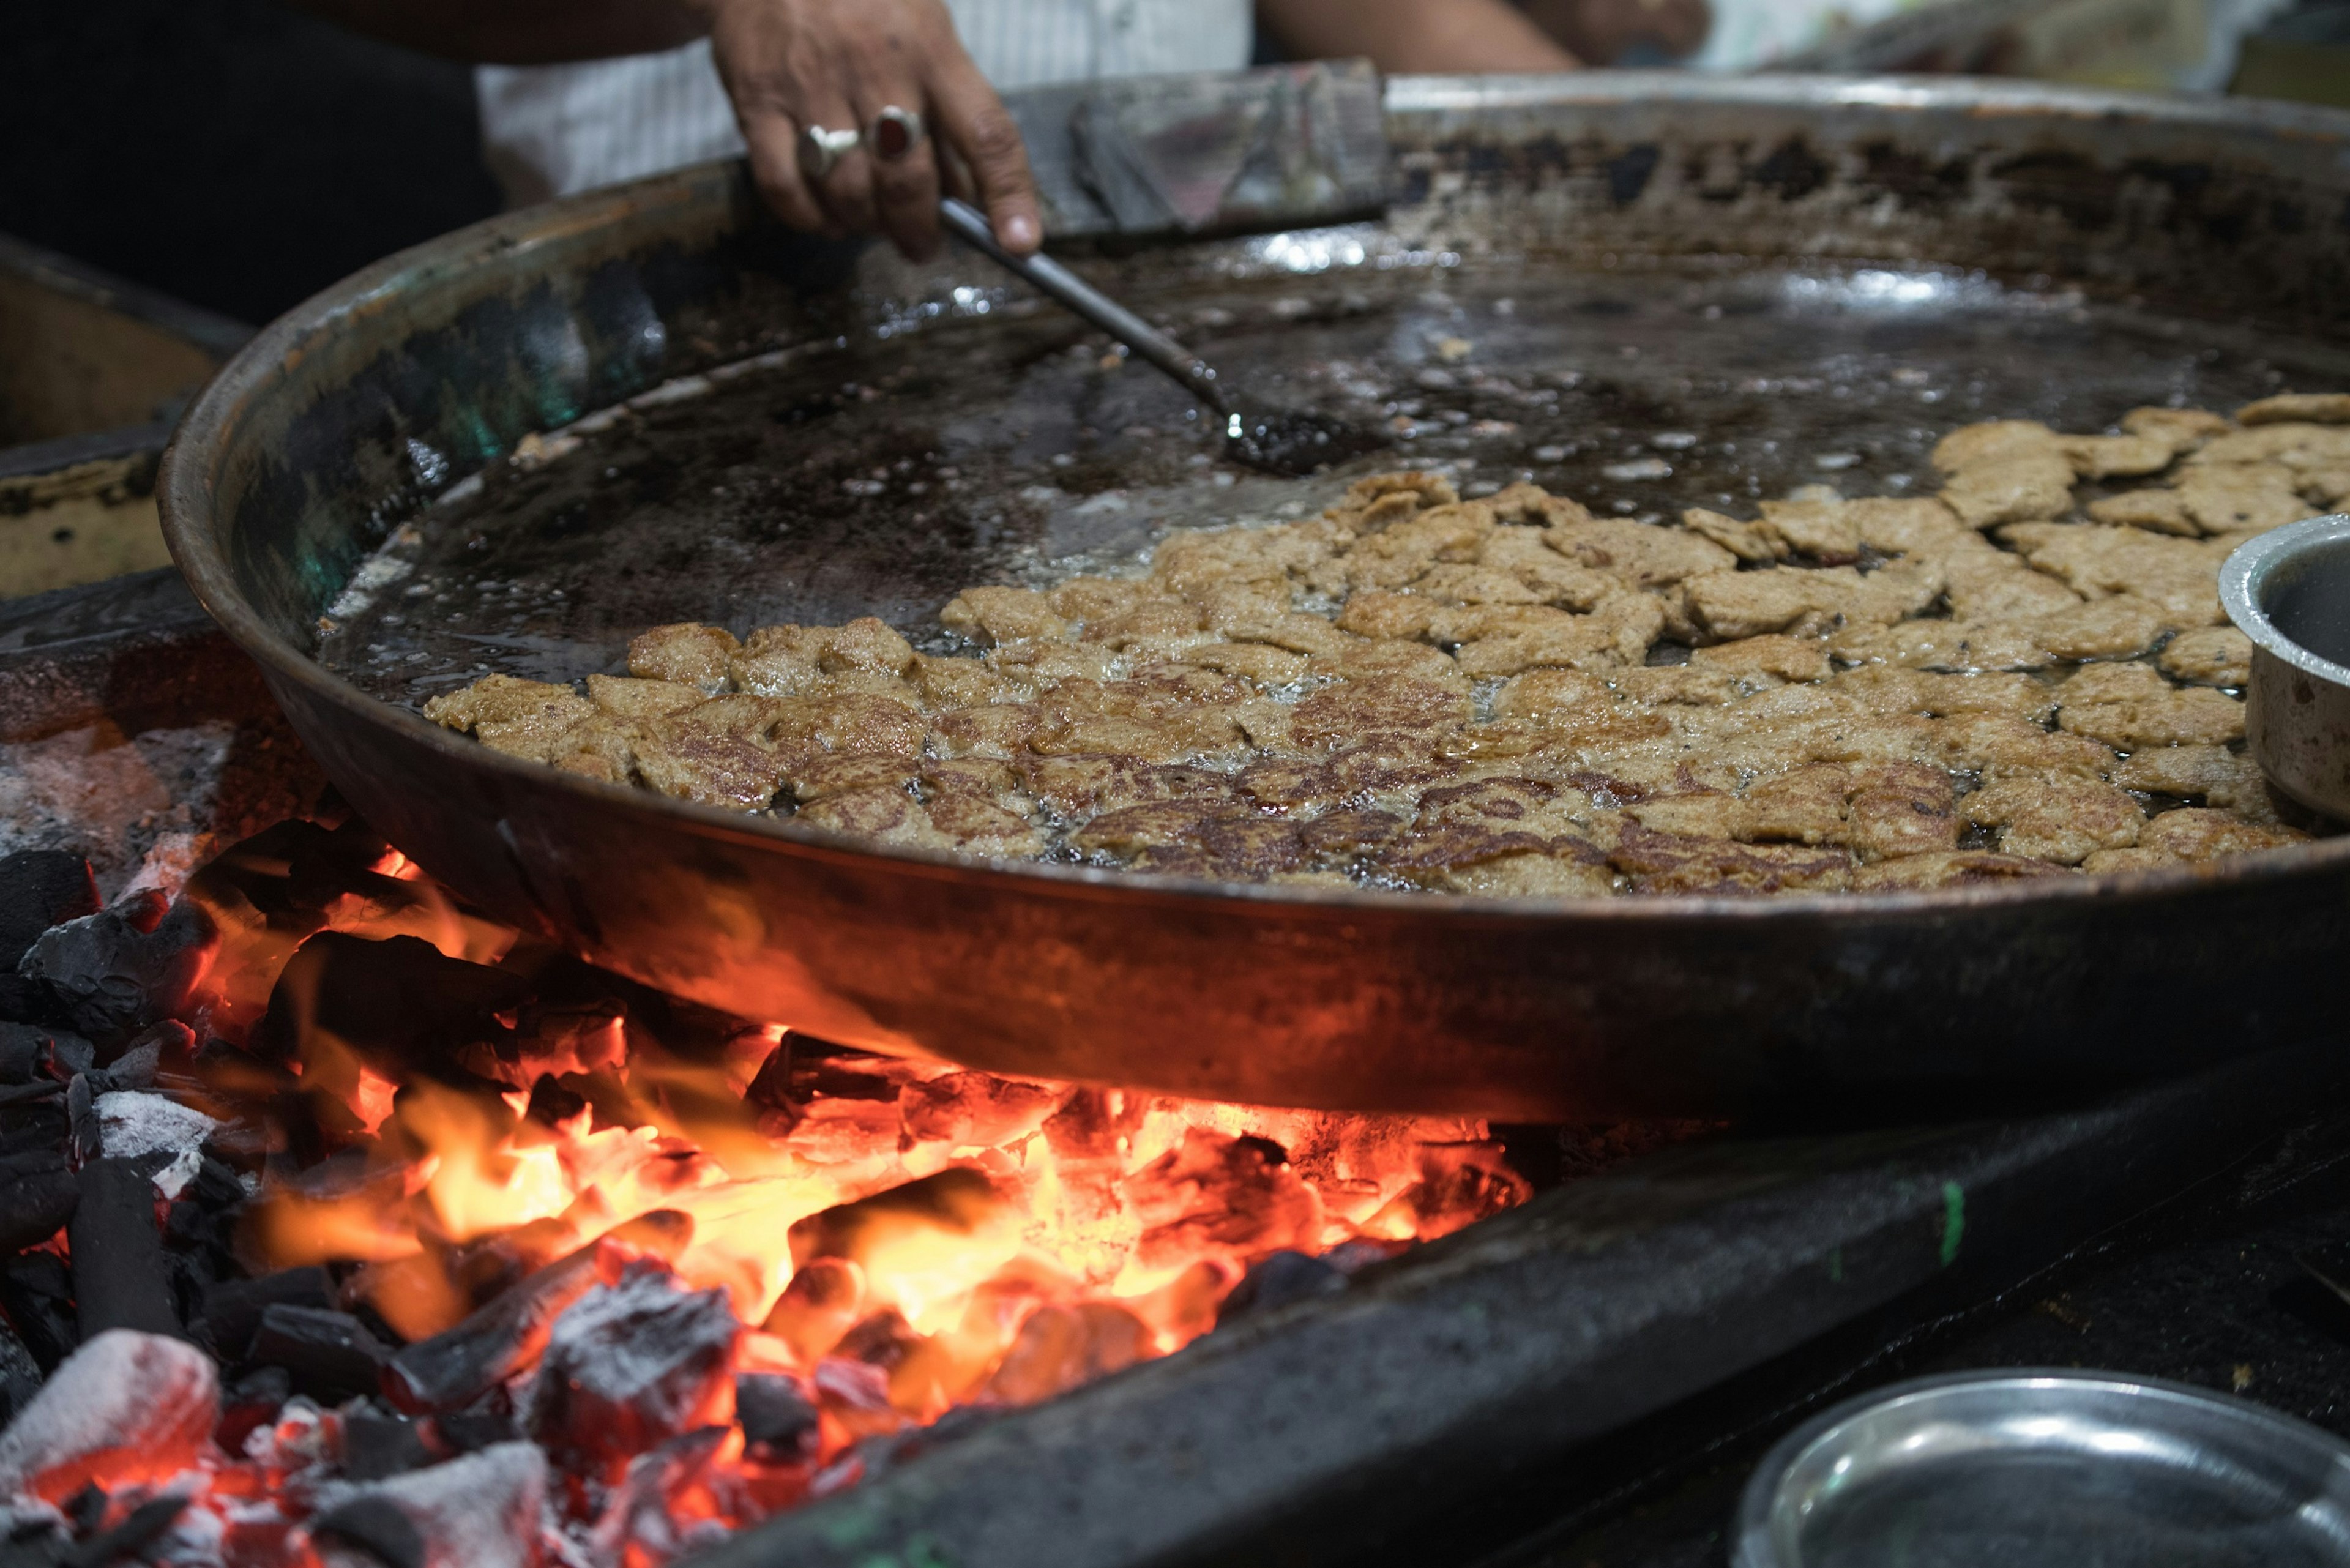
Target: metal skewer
1278, 440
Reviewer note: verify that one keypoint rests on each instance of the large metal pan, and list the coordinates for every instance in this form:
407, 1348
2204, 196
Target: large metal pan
332, 425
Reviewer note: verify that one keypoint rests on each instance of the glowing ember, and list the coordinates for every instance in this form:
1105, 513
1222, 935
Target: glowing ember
708, 1269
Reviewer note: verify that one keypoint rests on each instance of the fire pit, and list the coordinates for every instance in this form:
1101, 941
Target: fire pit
345, 1225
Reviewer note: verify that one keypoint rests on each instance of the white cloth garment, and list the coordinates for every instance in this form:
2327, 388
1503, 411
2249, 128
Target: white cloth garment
550, 131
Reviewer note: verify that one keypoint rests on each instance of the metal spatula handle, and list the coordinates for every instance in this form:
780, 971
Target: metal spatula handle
969, 225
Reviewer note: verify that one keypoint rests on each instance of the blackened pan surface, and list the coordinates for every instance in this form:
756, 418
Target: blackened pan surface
1644, 294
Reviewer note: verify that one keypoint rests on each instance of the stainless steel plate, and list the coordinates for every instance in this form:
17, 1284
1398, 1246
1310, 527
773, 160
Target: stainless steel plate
2015, 1470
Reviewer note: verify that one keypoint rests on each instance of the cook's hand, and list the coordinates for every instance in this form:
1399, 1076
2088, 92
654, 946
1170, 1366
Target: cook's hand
838, 64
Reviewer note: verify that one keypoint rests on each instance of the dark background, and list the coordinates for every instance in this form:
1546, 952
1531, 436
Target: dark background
231, 152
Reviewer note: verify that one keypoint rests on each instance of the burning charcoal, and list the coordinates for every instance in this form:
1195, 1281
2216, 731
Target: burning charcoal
778, 1418
142, 1059
934, 1212
84, 1138
640, 1526
1217, 1193
38, 1294
135, 1124
551, 1104
254, 1400
629, 1365
1090, 1123
31, 1055
1460, 1184
20, 1374
126, 1408
374, 1529
976, 1109
331, 1354
120, 1277
232, 1311
405, 1008
884, 1340
377, 1446
34, 1208
1275, 1282
490, 1422
114, 973
1061, 1347
451, 1370
478, 1511
38, 888
132, 1538
816, 1309
41, 889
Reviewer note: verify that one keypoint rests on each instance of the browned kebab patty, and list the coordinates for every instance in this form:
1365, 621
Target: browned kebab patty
1418, 691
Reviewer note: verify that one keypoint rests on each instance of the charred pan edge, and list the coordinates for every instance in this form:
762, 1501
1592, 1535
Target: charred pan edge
308, 344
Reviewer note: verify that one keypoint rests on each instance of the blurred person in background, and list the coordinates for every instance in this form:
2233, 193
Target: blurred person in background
842, 104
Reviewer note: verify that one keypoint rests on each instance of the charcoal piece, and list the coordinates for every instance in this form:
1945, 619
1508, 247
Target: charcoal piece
216, 1188
1063, 1348
956, 1202
112, 974
452, 1369
85, 1136
120, 1280
86, 1510
884, 1340
124, 1402
467, 1431
778, 1418
405, 1009
551, 1103
1277, 1280
130, 1539
37, 1292
375, 1526
482, 1510
377, 1446
232, 1313
30, 1054
20, 1374
331, 1354
35, 1207
142, 1058
24, 1093
770, 1086
976, 1109
41, 889
824, 1298
630, 1365
137, 1125
251, 1403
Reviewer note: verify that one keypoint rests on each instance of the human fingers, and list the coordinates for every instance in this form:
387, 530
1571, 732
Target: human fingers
905, 176
975, 125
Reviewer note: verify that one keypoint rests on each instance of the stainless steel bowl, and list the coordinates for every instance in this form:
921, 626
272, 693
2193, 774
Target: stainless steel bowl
2069, 1469
2289, 591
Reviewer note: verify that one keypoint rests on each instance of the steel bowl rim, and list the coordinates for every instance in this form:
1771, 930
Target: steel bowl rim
2244, 583
1759, 1504
184, 492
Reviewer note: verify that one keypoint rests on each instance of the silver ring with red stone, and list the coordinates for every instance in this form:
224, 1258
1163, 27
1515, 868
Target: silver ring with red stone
896, 133
820, 151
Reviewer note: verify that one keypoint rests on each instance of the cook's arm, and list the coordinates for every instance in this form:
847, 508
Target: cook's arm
1465, 36
787, 65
